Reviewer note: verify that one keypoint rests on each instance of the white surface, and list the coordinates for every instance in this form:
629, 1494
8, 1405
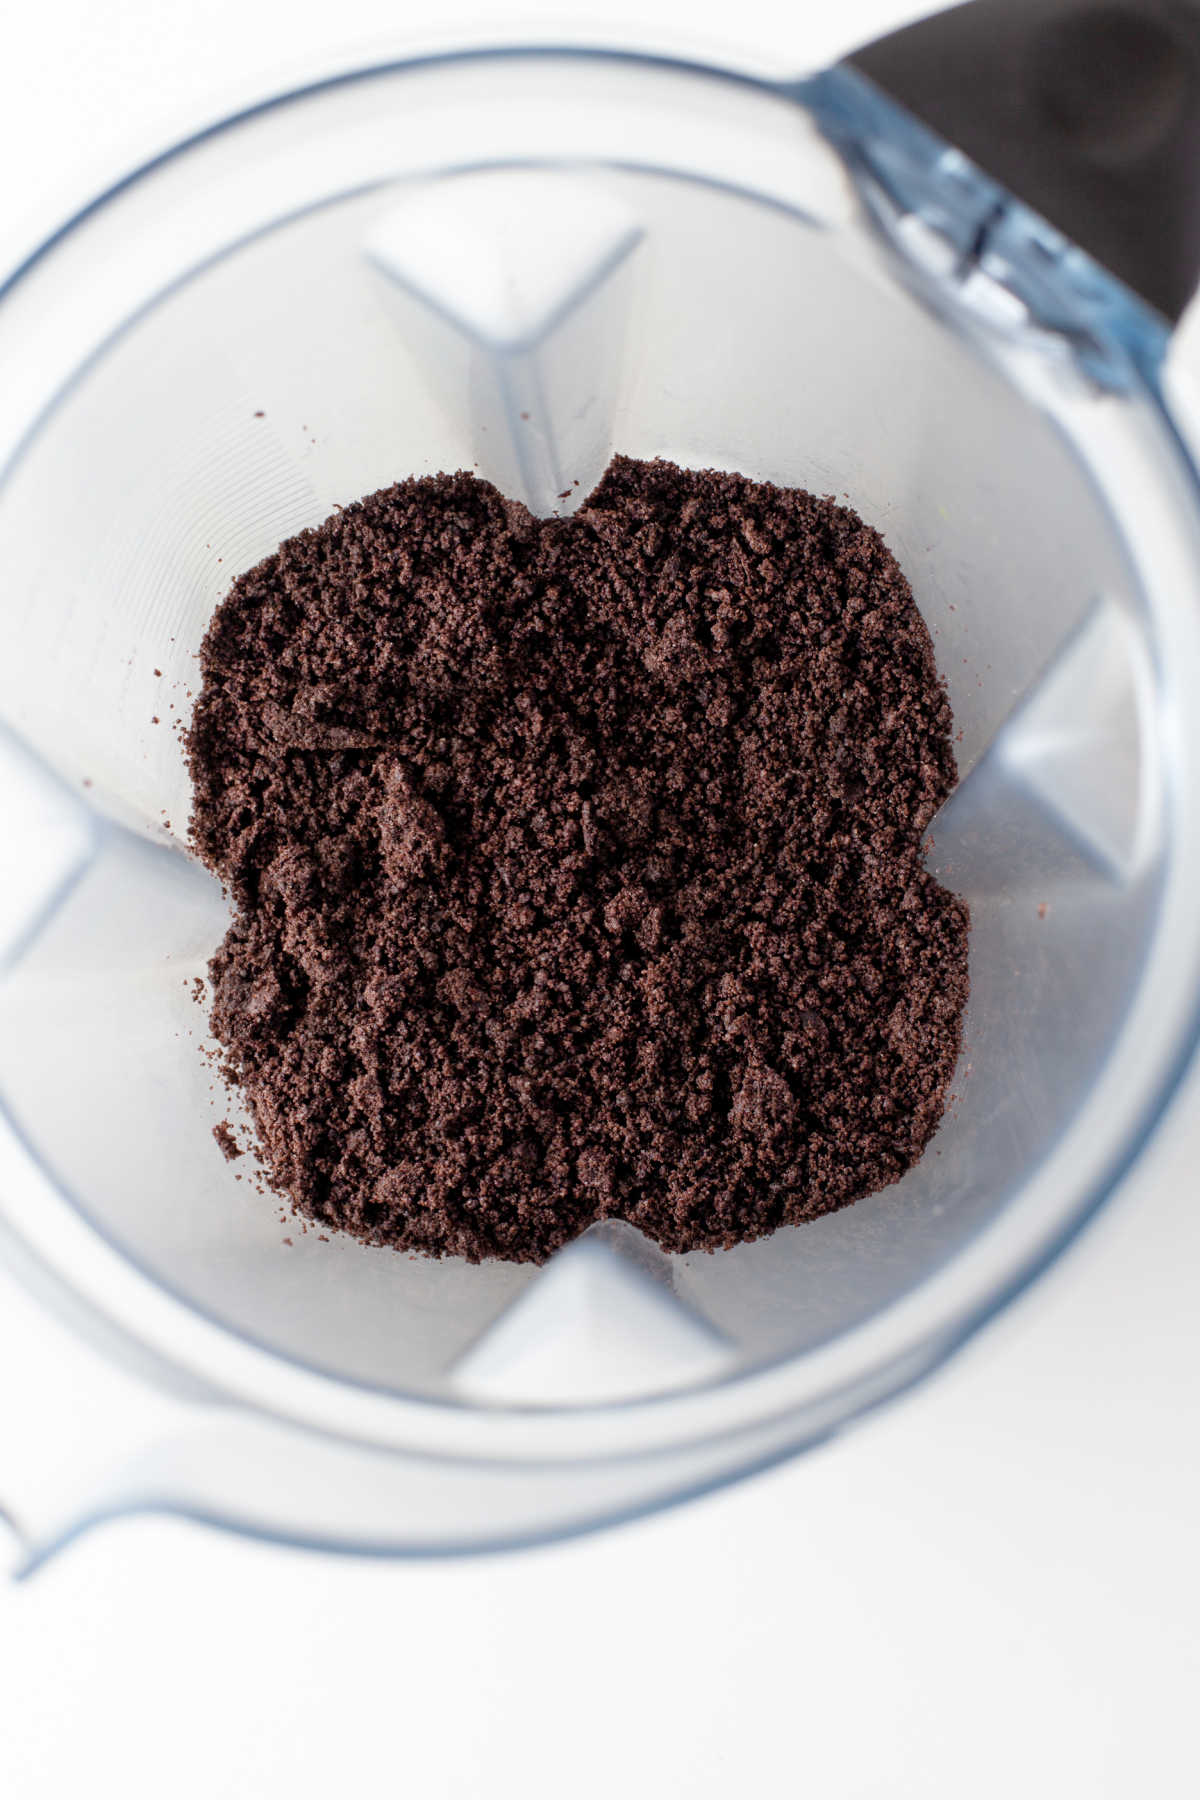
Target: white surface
990, 1589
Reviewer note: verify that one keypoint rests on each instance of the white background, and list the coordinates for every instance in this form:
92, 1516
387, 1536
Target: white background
991, 1589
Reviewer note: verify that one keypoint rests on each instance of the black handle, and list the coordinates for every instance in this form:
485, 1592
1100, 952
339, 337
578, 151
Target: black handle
1087, 110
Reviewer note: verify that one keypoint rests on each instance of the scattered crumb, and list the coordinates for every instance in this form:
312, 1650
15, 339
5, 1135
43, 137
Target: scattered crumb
566, 494
288, 1242
524, 415
1043, 909
226, 1141
154, 718
158, 672
87, 781
260, 415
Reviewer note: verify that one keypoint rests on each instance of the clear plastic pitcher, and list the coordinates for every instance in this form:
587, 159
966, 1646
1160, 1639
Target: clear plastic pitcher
519, 263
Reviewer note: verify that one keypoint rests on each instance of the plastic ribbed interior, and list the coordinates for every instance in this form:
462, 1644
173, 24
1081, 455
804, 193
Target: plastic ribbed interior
441, 325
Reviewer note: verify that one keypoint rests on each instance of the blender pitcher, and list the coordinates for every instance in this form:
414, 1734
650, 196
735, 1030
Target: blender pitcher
522, 261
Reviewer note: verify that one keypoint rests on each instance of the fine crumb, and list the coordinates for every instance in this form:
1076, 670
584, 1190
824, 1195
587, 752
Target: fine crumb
226, 1140
576, 863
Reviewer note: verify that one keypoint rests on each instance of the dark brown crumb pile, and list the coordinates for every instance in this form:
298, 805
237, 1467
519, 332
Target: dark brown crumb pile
577, 863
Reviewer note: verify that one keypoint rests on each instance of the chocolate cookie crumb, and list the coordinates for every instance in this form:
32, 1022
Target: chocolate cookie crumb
228, 1143
577, 863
